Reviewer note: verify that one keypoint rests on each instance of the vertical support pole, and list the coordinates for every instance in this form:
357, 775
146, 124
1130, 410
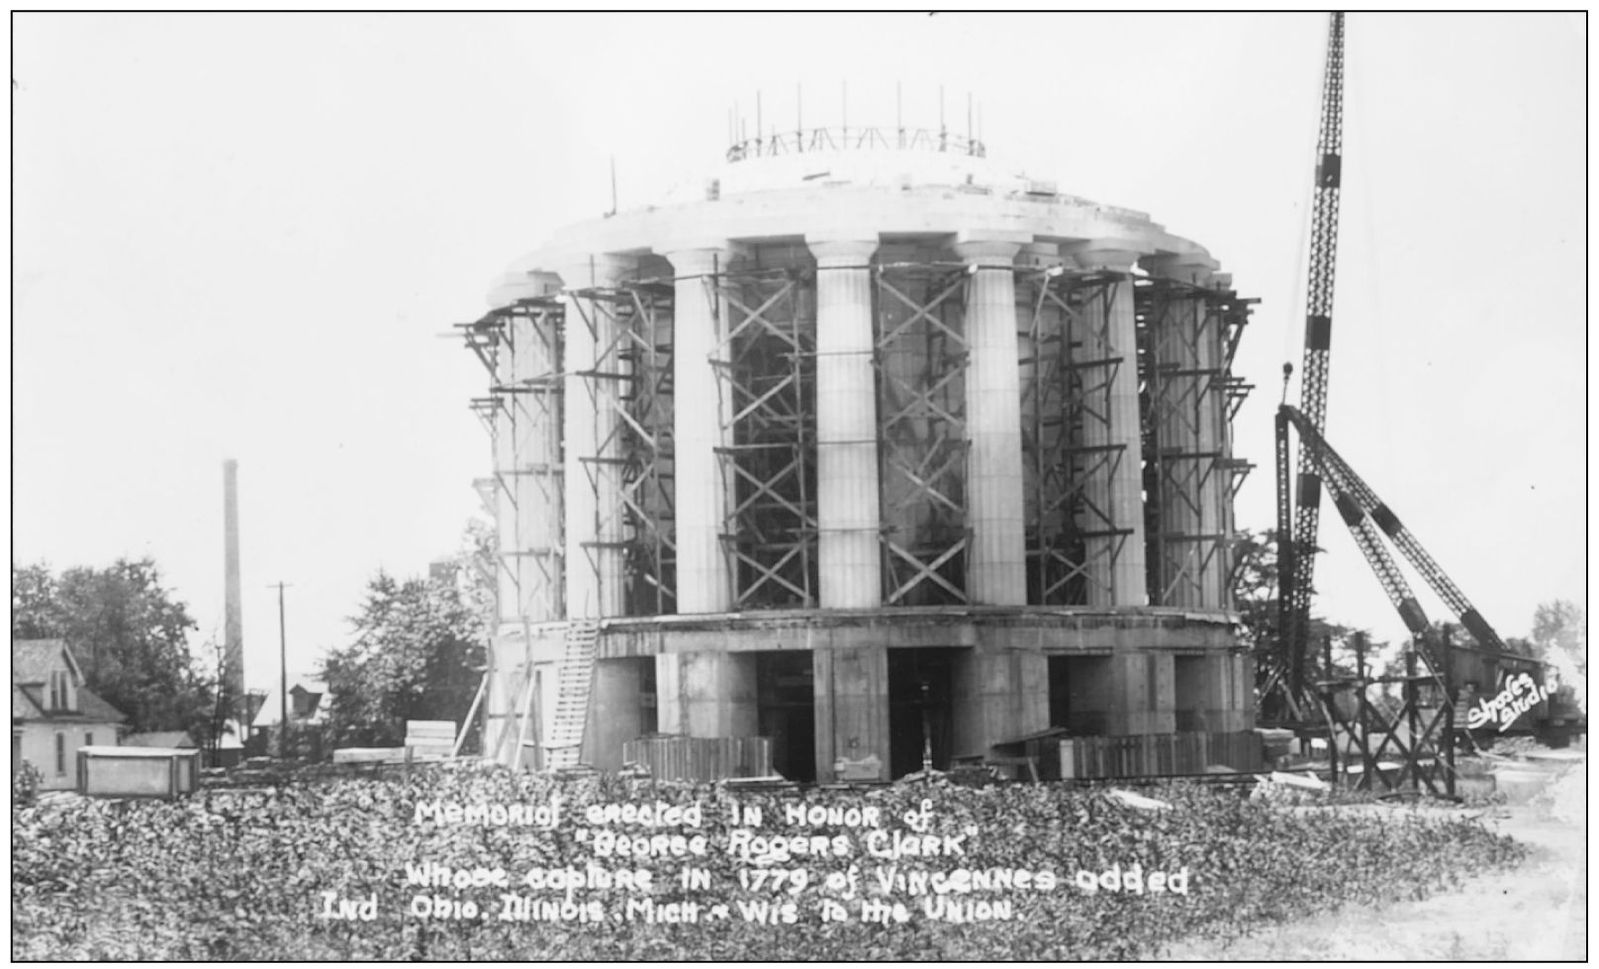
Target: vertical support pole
1448, 711
1283, 647
1331, 699
848, 504
283, 679
1412, 715
996, 563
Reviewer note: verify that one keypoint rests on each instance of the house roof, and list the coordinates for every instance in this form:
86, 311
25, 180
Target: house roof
33, 659
23, 705
91, 709
160, 738
31, 663
268, 714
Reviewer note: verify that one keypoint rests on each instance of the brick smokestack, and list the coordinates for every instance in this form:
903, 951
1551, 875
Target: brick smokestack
233, 622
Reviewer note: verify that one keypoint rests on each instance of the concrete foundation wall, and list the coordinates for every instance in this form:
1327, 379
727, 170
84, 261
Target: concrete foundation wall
998, 695
706, 694
851, 688
615, 712
1160, 674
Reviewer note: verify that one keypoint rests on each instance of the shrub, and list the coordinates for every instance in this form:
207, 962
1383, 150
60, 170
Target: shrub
240, 874
25, 782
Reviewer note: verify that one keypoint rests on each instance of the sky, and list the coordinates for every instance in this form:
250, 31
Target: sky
249, 236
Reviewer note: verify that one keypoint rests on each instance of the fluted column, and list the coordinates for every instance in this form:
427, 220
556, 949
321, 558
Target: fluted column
595, 574
538, 472
996, 559
848, 507
527, 499
1180, 437
699, 418
1121, 493
1218, 490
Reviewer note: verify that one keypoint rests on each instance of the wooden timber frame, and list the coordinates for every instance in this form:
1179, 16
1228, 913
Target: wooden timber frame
1406, 745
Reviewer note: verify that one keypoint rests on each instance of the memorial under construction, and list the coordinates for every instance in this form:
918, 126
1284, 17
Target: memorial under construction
872, 449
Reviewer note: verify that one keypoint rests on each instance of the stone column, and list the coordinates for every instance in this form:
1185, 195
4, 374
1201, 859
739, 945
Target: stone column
1121, 493
1219, 489
701, 694
595, 574
848, 504
996, 558
527, 503
1178, 436
699, 417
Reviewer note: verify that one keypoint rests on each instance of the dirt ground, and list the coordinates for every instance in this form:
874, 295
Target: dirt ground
1538, 911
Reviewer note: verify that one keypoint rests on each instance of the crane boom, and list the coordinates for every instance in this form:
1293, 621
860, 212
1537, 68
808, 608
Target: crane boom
1370, 518
1296, 578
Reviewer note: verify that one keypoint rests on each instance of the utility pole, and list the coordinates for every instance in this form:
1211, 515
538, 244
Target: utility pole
283, 679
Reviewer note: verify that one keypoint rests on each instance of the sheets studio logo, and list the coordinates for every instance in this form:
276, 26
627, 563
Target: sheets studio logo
1519, 695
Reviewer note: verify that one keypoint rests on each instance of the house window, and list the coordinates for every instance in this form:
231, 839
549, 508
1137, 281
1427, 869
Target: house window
61, 753
60, 692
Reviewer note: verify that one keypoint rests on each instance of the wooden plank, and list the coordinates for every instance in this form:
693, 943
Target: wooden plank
429, 729
369, 755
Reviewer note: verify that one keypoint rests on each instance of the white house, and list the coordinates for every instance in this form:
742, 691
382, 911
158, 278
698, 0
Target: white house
53, 713
308, 703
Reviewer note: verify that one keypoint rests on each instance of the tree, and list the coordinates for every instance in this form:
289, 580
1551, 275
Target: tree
1560, 634
1255, 577
129, 635
418, 654
1255, 595
1560, 637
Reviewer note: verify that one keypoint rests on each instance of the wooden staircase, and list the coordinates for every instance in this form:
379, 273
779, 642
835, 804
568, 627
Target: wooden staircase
564, 746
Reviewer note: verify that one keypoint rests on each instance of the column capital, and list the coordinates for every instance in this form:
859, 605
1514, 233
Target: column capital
987, 253
699, 258
1189, 267
991, 248
514, 286
835, 253
600, 270
1039, 255
1115, 255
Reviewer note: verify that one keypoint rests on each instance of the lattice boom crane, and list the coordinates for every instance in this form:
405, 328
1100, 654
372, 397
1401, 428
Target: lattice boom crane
1370, 519
1297, 540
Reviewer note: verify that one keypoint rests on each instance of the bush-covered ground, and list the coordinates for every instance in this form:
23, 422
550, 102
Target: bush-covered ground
240, 874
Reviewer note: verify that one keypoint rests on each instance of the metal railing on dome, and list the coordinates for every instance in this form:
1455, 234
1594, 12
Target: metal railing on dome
803, 140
